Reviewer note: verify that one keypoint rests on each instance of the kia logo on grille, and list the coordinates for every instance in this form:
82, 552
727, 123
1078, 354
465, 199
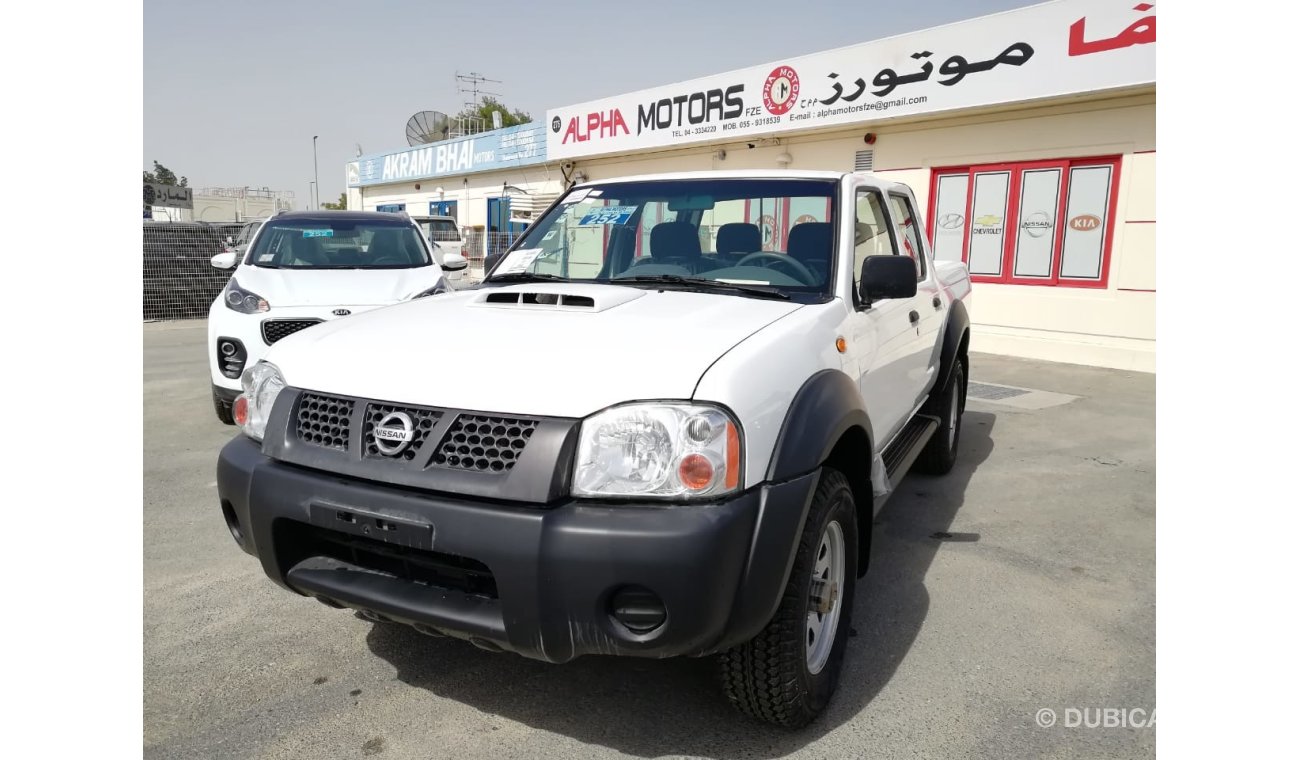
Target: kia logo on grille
394, 433
342, 312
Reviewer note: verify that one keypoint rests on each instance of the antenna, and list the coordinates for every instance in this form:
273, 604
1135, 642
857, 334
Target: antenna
473, 80
427, 126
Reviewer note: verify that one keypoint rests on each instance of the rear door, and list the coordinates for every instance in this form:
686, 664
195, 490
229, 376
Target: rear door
922, 360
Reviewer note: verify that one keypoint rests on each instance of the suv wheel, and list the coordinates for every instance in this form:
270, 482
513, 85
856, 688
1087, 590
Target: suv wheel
222, 408
939, 455
786, 674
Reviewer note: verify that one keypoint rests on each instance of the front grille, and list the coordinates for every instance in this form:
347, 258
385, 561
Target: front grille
484, 444
297, 541
324, 420
278, 329
424, 420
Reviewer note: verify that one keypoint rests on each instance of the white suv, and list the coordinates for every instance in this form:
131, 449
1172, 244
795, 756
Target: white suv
302, 268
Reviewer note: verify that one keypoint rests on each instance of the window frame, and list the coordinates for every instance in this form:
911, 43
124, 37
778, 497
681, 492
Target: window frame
922, 271
1010, 242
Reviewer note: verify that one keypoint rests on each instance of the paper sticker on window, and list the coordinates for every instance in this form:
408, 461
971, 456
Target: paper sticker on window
576, 195
317, 233
517, 261
549, 235
608, 215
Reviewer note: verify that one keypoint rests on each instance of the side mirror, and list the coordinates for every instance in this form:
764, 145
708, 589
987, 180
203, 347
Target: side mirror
225, 260
454, 262
230, 239
888, 276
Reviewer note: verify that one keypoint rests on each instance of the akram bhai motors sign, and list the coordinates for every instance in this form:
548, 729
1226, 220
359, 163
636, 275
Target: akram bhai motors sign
1054, 49
522, 145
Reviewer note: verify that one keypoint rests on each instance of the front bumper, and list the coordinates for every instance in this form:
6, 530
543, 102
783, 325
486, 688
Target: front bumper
537, 581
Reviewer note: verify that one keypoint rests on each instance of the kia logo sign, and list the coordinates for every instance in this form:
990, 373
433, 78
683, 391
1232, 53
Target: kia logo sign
1085, 223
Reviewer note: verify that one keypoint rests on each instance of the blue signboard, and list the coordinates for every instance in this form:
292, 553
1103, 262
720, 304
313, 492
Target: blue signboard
507, 148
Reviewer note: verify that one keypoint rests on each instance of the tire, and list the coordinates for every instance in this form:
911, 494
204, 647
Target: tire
222, 408
939, 455
771, 677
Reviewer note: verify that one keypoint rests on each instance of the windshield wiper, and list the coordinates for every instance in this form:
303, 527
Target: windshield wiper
526, 277
676, 279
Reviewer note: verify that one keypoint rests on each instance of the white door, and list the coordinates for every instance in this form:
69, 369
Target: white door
884, 334
923, 356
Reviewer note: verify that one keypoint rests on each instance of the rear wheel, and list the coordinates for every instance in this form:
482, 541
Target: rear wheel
222, 408
786, 674
939, 455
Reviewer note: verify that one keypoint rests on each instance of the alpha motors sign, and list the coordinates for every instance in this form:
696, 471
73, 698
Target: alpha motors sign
1060, 48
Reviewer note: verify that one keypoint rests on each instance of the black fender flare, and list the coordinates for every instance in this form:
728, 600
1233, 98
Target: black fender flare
828, 404
957, 328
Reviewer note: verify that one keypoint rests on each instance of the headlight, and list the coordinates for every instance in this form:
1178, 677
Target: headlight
440, 287
243, 301
262, 385
658, 450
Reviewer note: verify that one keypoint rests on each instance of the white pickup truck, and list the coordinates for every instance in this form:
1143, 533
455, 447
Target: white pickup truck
667, 434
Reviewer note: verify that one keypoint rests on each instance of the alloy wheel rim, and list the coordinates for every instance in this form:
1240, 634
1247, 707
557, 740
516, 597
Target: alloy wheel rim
825, 598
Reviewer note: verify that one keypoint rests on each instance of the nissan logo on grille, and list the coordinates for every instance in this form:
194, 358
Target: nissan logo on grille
394, 433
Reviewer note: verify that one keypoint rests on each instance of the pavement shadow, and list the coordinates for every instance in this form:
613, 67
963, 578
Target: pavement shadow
652, 708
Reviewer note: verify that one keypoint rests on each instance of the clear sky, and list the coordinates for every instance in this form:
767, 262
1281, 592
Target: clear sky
234, 91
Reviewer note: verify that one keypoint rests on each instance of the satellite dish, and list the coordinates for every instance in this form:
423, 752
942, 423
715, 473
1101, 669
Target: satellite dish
426, 127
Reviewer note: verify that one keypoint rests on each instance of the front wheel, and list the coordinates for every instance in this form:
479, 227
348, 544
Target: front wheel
786, 674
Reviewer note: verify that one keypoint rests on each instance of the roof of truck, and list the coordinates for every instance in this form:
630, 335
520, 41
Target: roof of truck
737, 174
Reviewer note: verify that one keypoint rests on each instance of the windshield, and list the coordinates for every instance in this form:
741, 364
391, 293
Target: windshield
773, 234
440, 230
338, 244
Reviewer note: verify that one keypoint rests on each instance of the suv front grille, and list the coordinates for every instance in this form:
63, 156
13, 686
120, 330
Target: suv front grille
484, 444
324, 420
278, 329
424, 420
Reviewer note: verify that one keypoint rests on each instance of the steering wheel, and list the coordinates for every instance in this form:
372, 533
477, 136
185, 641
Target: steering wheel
797, 269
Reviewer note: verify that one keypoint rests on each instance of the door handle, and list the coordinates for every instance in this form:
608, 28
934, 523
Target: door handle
914, 317
938, 304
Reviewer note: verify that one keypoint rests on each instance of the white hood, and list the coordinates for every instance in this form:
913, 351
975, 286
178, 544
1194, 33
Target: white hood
457, 351
335, 287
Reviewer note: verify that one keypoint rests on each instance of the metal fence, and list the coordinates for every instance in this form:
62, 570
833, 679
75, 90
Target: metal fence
179, 280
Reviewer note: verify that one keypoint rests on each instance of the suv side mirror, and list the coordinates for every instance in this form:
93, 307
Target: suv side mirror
454, 262
225, 260
888, 276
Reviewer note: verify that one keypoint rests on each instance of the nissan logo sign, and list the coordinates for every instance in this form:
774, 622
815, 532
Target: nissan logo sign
394, 433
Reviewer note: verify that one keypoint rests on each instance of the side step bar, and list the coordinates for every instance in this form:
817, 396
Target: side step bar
907, 446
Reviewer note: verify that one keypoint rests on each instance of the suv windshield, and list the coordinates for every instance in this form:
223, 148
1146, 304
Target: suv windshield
768, 235
338, 244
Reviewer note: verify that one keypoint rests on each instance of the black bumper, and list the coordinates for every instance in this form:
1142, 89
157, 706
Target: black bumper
537, 581
225, 394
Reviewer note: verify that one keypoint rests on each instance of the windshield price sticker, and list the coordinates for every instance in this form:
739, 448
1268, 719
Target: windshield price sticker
518, 261
317, 233
608, 215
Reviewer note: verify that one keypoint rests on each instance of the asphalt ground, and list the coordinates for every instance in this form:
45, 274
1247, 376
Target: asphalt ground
1022, 581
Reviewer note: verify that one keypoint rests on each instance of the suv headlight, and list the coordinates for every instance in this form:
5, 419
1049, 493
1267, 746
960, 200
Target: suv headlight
262, 385
243, 301
658, 450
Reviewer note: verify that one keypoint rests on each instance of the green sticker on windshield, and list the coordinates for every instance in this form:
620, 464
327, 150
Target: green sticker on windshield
318, 233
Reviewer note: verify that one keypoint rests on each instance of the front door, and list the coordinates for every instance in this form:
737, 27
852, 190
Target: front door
885, 333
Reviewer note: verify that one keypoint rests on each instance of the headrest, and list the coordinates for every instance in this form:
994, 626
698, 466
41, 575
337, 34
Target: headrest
811, 241
739, 237
674, 240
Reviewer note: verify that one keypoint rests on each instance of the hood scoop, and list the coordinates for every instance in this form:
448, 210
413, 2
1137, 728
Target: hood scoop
558, 297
